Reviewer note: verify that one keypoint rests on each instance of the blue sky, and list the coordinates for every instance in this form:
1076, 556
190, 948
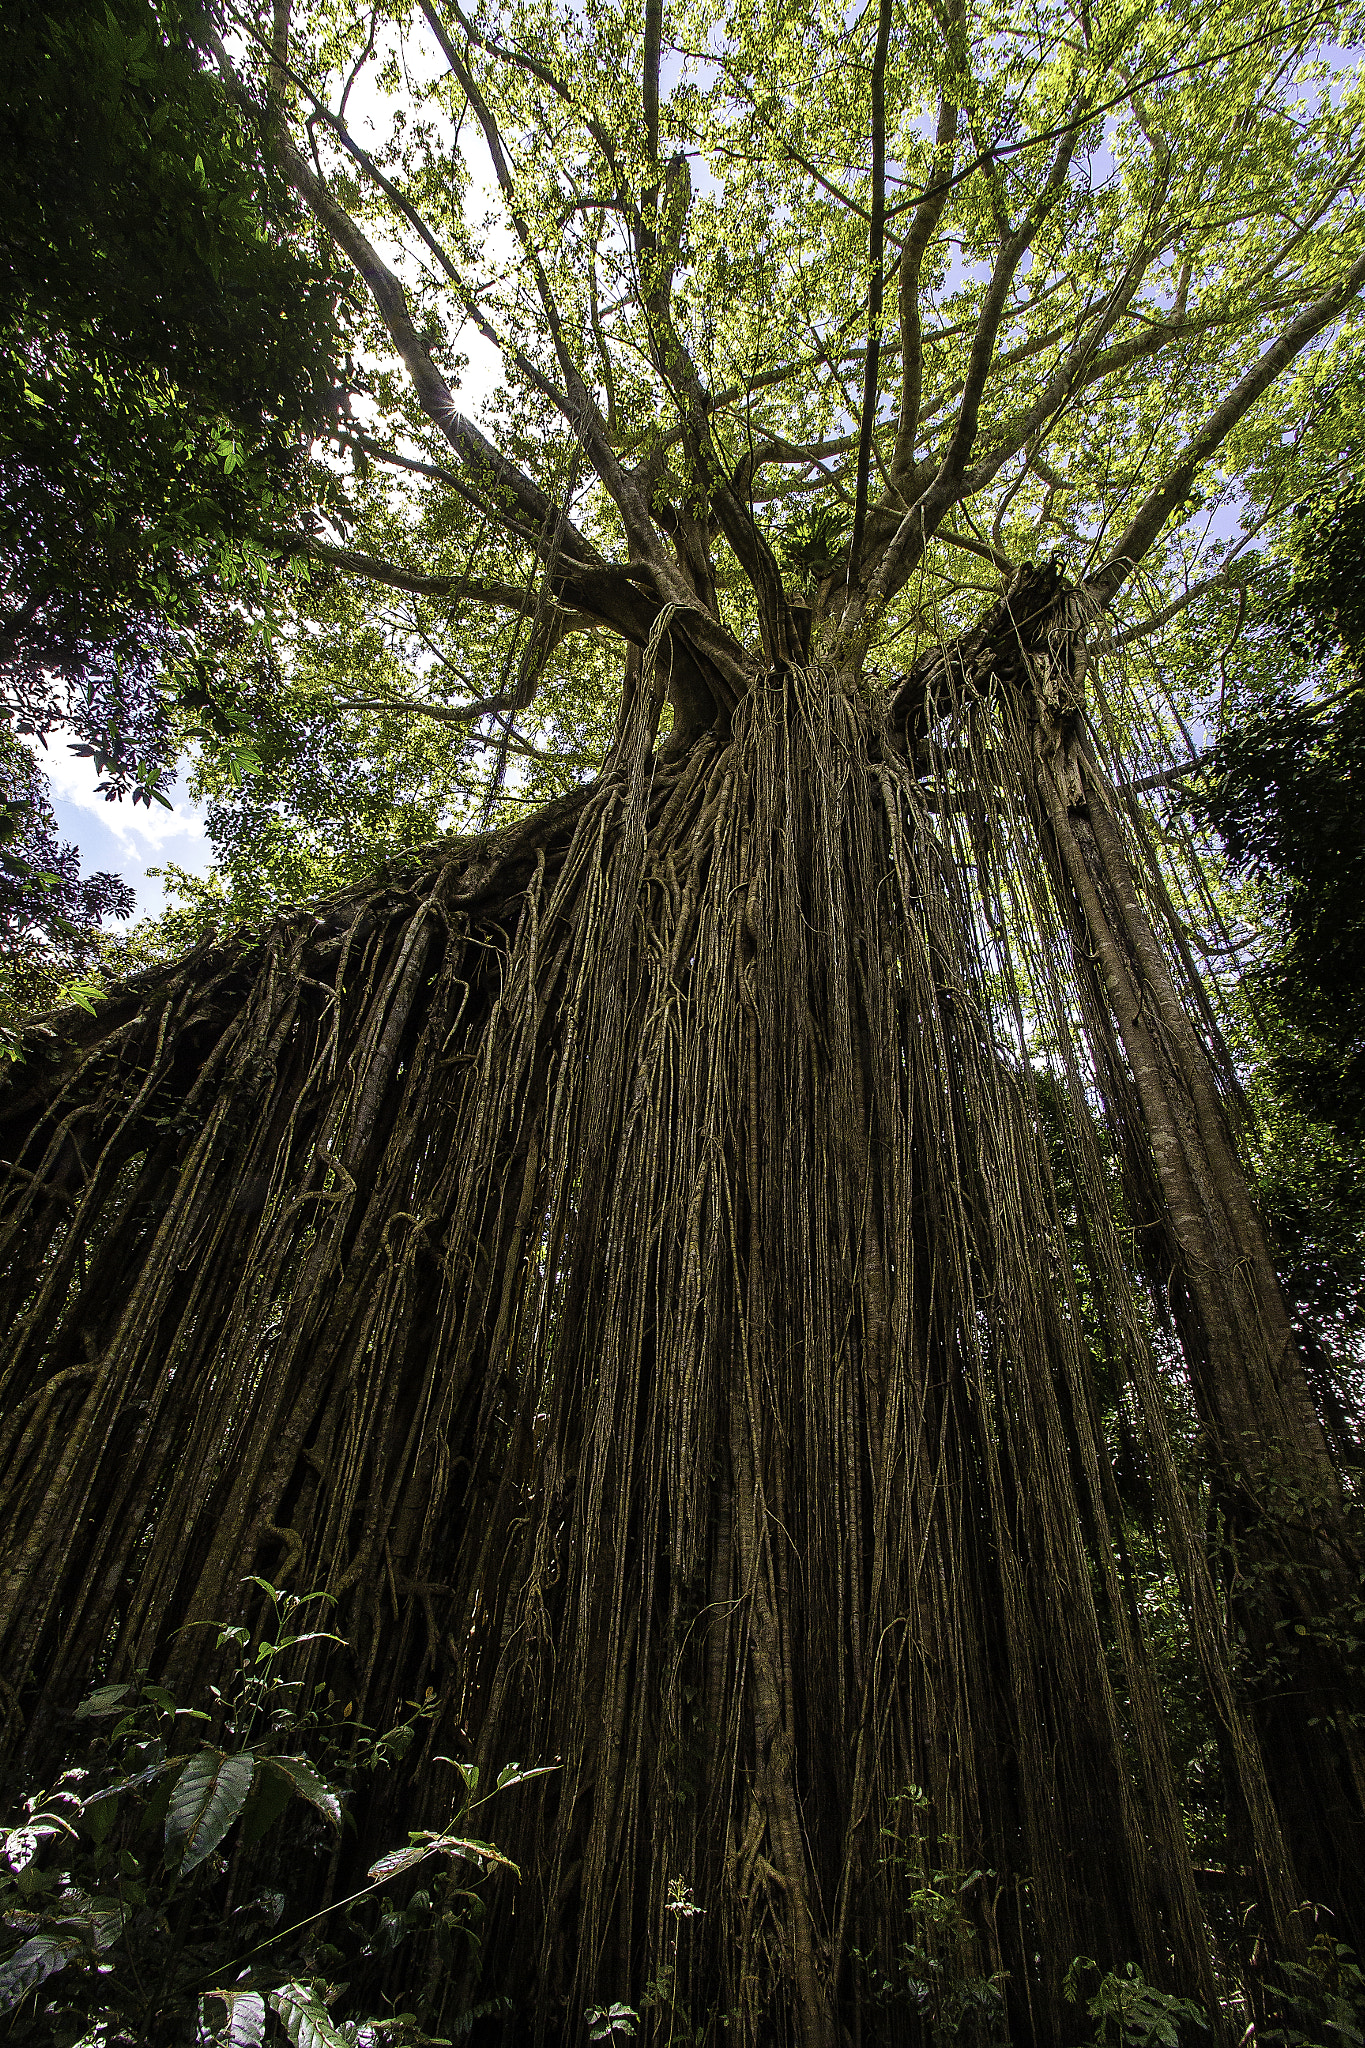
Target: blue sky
124, 837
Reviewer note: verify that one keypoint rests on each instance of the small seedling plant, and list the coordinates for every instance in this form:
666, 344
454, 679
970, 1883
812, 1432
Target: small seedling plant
1318, 2003
1128, 2011
673, 2023
935, 1973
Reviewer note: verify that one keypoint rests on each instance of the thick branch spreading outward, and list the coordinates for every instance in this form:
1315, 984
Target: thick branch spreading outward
657, 241
875, 250
1107, 581
888, 573
953, 481
711, 668
705, 651
488, 590
924, 221
1237, 574
582, 410
492, 469
668, 544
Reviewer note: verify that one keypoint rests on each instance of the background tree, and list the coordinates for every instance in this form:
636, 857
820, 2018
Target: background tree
669, 1267
50, 914
1282, 795
1284, 801
170, 348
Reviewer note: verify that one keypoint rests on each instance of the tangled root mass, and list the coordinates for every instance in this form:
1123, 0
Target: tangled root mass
631, 1263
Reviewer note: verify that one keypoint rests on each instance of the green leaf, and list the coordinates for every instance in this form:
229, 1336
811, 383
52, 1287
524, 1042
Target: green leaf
459, 1846
209, 1794
84, 994
399, 1860
304, 1780
147, 1777
106, 1918
39, 1958
474, 1851
469, 1772
606, 2022
305, 2018
100, 1823
464, 1847
514, 1774
244, 2026
106, 1699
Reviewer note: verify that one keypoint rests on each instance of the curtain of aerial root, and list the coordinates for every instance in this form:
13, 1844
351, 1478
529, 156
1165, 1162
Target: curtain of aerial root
625, 1264
1291, 1540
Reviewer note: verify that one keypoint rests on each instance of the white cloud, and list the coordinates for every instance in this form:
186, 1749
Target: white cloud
125, 837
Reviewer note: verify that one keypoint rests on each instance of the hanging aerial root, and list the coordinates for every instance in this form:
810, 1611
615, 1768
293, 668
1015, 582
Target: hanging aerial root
625, 1265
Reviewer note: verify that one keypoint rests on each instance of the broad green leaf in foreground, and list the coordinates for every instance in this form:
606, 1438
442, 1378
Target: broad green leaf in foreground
305, 2018
106, 1699
303, 1779
244, 2026
36, 1960
209, 1794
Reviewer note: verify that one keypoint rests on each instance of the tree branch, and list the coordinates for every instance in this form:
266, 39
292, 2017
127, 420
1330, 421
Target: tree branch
922, 517
1084, 366
1224, 579
926, 218
583, 412
432, 391
654, 30
445, 714
513, 597
675, 365
997, 152
520, 529
1156, 509
875, 245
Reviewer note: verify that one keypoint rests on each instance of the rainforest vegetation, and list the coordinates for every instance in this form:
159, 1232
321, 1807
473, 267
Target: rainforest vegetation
683, 1356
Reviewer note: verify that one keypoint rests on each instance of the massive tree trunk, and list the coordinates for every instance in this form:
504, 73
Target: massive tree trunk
623, 1261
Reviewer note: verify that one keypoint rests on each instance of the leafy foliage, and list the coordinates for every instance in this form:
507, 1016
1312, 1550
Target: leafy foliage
168, 349
1131, 2013
1285, 799
1318, 2003
1156, 243
937, 1974
137, 1939
1283, 794
1300, 768
50, 914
